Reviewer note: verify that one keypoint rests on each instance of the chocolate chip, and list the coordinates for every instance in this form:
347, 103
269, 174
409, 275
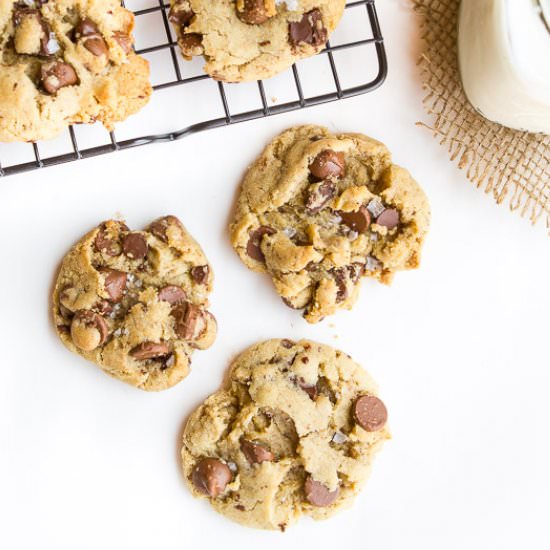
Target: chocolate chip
114, 283
191, 43
255, 12
134, 246
340, 277
96, 45
211, 476
318, 195
357, 221
180, 17
288, 344
199, 273
328, 165
253, 248
172, 294
389, 218
160, 227
104, 243
310, 389
88, 330
56, 75
189, 321
149, 350
319, 495
85, 27
123, 40
92, 40
370, 413
256, 453
309, 30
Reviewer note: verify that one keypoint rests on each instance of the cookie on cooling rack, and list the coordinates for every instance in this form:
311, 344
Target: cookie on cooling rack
243, 40
319, 211
135, 302
293, 433
65, 62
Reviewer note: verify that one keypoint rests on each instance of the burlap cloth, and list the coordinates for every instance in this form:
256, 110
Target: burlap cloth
513, 166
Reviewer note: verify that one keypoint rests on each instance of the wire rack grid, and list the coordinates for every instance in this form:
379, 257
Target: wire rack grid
356, 49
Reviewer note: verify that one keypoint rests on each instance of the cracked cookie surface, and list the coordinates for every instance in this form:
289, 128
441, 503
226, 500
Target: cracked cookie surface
64, 62
243, 40
293, 432
135, 302
319, 211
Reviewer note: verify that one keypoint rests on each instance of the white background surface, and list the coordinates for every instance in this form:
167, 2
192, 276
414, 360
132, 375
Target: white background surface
459, 348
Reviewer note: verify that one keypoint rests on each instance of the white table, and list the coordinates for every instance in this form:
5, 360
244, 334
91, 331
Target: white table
459, 347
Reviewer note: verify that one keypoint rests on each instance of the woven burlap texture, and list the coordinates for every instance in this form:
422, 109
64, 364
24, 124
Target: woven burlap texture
513, 166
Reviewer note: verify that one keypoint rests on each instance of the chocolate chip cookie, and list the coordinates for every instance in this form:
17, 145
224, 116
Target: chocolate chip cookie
135, 302
320, 211
243, 40
65, 62
293, 433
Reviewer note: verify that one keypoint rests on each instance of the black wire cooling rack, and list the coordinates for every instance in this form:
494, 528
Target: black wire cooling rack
356, 50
